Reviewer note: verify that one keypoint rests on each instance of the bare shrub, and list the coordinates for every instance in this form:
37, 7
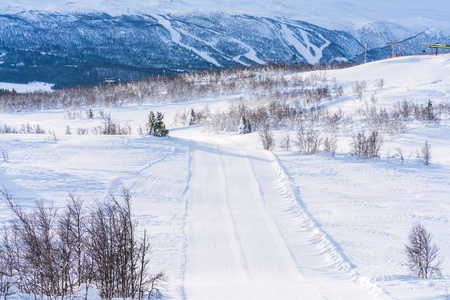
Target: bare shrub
359, 88
266, 137
230, 119
379, 84
285, 142
404, 108
110, 127
367, 146
71, 115
192, 116
330, 145
30, 129
443, 108
180, 117
425, 154
53, 136
82, 131
38, 129
422, 254
382, 120
7, 129
399, 154
153, 283
308, 142
339, 91
332, 122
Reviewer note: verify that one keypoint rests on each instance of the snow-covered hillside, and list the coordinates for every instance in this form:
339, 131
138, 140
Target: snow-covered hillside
228, 219
86, 42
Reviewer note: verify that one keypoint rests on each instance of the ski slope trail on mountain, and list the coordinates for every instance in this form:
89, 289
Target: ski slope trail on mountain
249, 238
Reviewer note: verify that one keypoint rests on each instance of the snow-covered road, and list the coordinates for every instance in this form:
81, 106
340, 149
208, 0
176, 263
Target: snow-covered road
249, 238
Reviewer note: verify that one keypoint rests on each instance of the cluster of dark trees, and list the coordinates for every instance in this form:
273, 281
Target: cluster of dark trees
55, 254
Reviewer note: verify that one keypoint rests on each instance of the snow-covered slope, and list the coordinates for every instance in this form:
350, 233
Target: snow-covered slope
86, 42
73, 49
69, 49
230, 220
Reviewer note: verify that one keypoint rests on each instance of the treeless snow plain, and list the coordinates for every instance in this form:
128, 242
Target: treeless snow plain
229, 220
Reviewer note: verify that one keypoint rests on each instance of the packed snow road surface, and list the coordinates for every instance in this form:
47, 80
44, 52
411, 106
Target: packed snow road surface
249, 238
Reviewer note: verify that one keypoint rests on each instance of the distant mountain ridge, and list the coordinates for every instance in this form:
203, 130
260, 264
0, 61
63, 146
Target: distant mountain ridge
70, 49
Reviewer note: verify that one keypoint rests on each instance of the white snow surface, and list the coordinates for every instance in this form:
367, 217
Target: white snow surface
332, 14
176, 38
229, 220
309, 51
27, 87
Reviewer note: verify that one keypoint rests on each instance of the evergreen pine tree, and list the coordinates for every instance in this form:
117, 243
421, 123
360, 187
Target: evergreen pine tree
151, 123
428, 111
244, 125
155, 125
192, 119
249, 126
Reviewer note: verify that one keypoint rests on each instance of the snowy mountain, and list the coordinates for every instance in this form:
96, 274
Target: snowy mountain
79, 42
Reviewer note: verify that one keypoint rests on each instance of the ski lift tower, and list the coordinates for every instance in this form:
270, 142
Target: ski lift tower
268, 60
393, 47
437, 46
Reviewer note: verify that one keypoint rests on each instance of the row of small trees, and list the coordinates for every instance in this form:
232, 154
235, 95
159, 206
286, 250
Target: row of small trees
51, 254
181, 87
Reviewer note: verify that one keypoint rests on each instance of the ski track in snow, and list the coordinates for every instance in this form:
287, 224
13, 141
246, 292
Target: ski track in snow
304, 47
176, 38
249, 239
251, 54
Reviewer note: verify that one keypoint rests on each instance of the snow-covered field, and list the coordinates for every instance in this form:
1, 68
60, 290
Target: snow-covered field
25, 88
229, 220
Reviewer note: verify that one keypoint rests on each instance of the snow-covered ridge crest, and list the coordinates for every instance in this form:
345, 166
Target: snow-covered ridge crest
332, 14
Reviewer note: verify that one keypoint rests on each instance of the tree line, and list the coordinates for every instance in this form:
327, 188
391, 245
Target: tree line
182, 87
